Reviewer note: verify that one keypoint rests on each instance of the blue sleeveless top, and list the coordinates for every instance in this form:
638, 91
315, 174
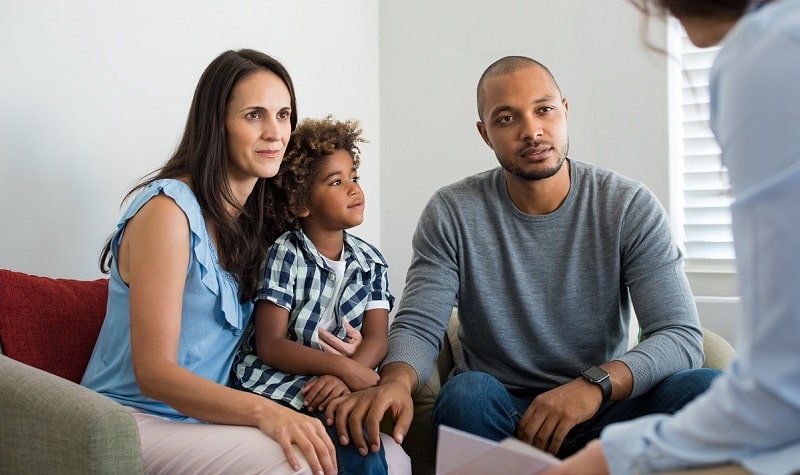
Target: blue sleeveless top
211, 323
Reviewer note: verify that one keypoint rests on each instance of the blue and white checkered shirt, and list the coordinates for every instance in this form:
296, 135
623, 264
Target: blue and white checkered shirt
298, 279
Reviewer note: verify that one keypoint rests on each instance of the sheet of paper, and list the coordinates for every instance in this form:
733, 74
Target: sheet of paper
462, 453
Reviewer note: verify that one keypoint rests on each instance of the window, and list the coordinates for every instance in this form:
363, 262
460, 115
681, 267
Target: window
700, 190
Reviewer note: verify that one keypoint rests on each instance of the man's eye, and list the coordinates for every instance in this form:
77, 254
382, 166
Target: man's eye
504, 119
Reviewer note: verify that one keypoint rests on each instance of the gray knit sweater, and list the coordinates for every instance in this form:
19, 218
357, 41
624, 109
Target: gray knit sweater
541, 298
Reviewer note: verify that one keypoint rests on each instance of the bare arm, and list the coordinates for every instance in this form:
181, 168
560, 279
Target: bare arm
375, 342
274, 349
371, 349
155, 271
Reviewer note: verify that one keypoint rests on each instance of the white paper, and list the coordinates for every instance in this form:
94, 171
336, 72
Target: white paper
462, 453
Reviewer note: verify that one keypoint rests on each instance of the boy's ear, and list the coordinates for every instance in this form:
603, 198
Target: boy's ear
301, 212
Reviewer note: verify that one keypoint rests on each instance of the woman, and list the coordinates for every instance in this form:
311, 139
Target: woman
750, 417
184, 264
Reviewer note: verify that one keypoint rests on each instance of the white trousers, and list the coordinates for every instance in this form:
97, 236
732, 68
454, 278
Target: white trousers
171, 447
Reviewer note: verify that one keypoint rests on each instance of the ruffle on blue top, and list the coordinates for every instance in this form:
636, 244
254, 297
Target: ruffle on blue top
217, 280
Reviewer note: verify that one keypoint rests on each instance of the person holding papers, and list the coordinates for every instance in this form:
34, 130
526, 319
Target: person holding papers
749, 420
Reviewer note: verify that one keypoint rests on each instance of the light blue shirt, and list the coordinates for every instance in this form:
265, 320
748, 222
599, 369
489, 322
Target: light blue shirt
751, 414
212, 321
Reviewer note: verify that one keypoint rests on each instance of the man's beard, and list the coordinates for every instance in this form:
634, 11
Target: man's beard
533, 175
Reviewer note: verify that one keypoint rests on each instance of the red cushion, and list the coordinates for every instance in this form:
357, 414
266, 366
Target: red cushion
51, 324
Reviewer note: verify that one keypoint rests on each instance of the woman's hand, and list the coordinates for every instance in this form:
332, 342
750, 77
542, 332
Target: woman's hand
332, 344
322, 389
288, 427
588, 461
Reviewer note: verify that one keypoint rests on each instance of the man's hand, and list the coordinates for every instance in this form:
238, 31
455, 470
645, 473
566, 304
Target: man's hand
332, 344
352, 412
554, 413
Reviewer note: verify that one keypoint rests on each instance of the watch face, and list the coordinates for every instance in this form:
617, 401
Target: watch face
594, 373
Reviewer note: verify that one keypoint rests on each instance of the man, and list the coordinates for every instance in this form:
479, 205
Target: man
543, 257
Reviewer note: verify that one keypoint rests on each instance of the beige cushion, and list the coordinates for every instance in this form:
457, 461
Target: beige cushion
717, 350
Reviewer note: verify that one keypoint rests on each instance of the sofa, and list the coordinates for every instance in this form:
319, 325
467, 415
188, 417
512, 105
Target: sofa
51, 424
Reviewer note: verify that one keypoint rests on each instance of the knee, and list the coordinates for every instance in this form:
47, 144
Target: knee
471, 385
478, 403
692, 381
467, 393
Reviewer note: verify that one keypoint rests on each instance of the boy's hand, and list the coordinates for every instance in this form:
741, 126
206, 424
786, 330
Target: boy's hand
332, 344
322, 389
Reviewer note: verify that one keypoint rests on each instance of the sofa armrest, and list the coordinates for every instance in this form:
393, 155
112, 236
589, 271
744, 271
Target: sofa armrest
419, 442
53, 425
718, 352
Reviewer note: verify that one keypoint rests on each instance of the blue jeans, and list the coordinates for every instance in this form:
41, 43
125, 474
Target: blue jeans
478, 403
349, 461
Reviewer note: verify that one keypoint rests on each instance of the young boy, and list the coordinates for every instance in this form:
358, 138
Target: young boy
318, 278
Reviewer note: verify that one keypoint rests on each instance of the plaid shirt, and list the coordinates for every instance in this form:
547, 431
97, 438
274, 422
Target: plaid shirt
298, 279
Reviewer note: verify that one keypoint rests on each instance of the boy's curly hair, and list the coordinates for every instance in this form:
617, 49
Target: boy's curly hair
309, 144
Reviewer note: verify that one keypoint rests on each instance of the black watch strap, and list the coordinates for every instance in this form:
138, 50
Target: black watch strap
599, 376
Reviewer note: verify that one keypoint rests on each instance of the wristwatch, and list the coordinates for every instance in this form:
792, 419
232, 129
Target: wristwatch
599, 376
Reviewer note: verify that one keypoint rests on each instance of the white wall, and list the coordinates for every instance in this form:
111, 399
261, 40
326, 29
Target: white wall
432, 54
94, 94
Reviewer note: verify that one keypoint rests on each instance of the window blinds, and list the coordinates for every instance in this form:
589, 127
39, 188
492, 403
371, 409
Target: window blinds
706, 218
